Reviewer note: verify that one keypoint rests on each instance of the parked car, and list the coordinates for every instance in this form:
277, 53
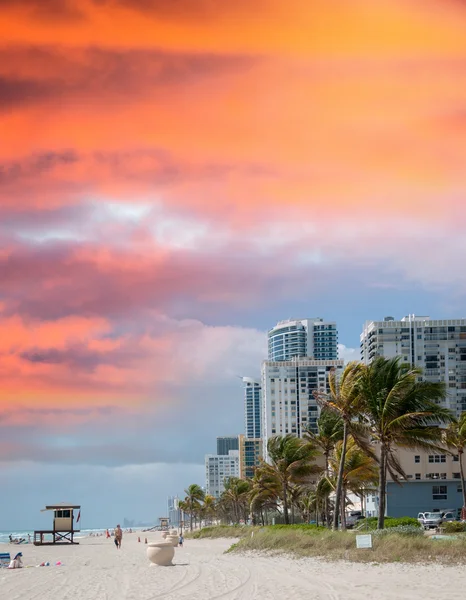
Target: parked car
432, 520
353, 518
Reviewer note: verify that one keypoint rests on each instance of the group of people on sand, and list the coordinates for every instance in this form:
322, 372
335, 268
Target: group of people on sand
20, 540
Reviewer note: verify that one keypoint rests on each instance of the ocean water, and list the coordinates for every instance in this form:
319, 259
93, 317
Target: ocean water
18, 534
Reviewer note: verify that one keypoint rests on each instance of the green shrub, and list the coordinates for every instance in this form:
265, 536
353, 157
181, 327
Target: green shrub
371, 523
454, 527
411, 530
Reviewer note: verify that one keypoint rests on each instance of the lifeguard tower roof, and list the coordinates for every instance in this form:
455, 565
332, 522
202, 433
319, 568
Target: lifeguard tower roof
61, 506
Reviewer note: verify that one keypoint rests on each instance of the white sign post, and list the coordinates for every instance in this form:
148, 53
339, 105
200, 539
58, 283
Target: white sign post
364, 541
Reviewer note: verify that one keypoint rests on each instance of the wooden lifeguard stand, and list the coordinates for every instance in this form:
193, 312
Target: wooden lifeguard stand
63, 525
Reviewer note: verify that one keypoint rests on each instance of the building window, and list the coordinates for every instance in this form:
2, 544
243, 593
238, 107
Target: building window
456, 458
459, 488
456, 475
439, 492
417, 476
417, 458
437, 458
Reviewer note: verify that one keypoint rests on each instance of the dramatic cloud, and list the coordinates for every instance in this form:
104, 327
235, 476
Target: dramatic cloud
177, 176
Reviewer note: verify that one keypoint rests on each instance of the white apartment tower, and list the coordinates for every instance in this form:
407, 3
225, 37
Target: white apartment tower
300, 338
289, 405
437, 346
220, 467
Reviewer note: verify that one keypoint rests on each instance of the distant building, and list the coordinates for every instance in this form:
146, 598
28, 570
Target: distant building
227, 443
250, 454
218, 468
252, 408
173, 511
437, 346
289, 405
433, 483
301, 338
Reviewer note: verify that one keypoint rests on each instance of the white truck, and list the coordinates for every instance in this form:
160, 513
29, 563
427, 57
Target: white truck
432, 520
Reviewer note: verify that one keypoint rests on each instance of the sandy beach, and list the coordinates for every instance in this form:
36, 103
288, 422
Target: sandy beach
95, 570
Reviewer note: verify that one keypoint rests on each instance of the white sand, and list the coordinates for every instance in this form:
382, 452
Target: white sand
95, 570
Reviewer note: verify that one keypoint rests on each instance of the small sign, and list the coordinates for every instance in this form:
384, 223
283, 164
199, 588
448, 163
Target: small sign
363, 541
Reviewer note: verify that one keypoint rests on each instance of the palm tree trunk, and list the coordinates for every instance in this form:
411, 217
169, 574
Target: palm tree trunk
191, 518
341, 468
463, 483
382, 486
343, 509
285, 504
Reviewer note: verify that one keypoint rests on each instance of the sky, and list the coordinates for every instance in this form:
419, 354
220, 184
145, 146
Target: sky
176, 177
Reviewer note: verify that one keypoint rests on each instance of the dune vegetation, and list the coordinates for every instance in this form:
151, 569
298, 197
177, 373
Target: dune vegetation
405, 544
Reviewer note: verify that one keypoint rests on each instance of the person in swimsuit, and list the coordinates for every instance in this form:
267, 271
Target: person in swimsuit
118, 536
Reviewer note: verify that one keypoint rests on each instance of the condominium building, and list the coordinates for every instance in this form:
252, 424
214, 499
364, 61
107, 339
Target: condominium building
250, 454
252, 408
219, 468
437, 346
289, 405
227, 443
313, 338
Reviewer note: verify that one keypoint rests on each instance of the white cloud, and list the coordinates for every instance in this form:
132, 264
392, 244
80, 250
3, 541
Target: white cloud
348, 354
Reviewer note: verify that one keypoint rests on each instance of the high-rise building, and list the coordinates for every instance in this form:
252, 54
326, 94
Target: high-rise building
437, 346
289, 405
301, 338
226, 443
173, 511
252, 408
250, 454
219, 468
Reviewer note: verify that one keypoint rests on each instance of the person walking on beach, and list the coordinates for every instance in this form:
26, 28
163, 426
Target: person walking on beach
118, 536
181, 540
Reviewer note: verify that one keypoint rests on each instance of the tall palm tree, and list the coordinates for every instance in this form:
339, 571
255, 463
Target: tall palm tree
402, 411
330, 431
194, 497
359, 471
292, 462
344, 400
454, 438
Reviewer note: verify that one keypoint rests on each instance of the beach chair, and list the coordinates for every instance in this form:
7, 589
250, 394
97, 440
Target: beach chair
5, 559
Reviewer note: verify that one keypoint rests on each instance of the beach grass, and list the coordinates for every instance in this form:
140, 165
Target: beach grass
301, 541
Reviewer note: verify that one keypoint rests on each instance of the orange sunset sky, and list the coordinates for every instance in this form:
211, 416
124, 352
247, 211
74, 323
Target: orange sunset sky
178, 175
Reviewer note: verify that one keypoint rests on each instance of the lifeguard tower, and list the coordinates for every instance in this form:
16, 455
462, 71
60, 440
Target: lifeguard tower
63, 525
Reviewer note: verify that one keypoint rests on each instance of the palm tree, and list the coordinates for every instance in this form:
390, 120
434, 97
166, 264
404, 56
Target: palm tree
263, 496
359, 471
209, 508
292, 462
330, 428
454, 437
194, 497
401, 411
235, 495
343, 399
